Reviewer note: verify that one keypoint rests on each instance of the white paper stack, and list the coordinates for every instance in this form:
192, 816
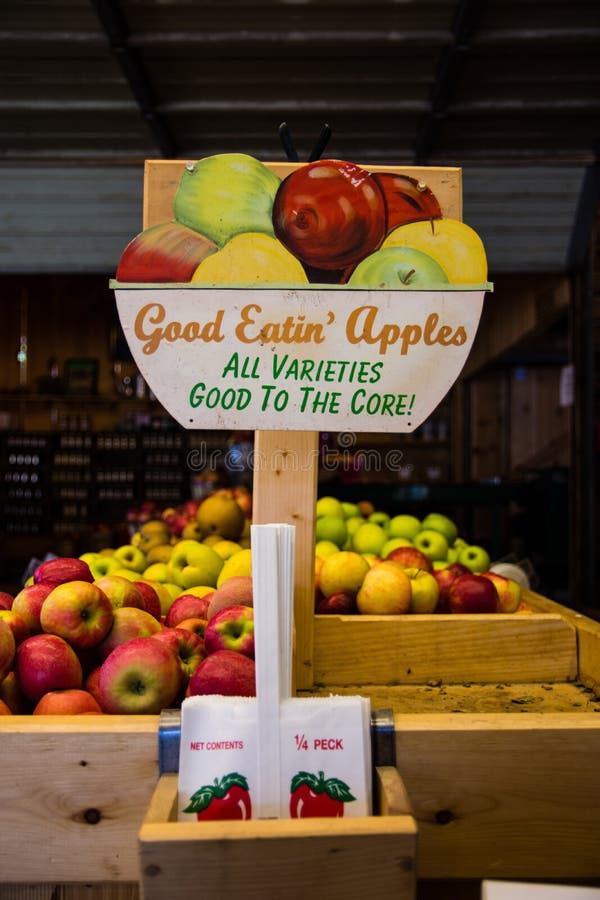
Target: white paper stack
282, 756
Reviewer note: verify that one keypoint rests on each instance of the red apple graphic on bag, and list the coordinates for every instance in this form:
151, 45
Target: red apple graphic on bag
314, 795
226, 798
330, 214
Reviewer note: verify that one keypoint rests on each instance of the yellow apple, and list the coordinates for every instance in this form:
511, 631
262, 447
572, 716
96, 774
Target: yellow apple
454, 245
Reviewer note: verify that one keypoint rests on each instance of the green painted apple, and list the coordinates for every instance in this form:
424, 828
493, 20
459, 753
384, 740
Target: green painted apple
398, 268
225, 195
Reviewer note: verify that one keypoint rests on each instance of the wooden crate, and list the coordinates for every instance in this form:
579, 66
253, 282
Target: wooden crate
295, 858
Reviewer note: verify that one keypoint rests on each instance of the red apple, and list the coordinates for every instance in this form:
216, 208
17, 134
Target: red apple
12, 694
509, 592
17, 624
141, 676
231, 628
410, 558
224, 672
68, 702
90, 683
5, 710
61, 569
472, 593
168, 252
406, 199
128, 623
235, 591
28, 604
195, 624
8, 646
342, 603
444, 578
330, 214
120, 591
79, 612
6, 600
46, 662
187, 606
151, 598
188, 646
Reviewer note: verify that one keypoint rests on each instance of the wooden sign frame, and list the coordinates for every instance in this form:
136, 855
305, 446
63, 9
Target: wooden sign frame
286, 462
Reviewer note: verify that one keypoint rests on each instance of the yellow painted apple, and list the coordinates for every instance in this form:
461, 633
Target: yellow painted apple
385, 590
78, 611
457, 248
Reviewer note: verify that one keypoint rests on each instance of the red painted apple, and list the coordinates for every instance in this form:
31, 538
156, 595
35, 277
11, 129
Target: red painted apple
17, 624
68, 702
151, 598
406, 199
330, 214
168, 252
61, 569
120, 591
341, 603
444, 578
128, 623
410, 558
424, 591
8, 647
79, 612
46, 662
235, 591
28, 604
188, 646
224, 672
187, 606
141, 676
509, 592
6, 600
472, 593
231, 628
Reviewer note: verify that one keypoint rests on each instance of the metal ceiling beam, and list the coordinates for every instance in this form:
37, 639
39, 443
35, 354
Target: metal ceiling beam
117, 31
466, 21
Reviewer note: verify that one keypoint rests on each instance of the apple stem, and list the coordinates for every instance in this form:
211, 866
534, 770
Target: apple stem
407, 277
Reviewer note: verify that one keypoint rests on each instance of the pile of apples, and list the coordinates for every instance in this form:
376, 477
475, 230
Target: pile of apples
328, 222
372, 563
96, 634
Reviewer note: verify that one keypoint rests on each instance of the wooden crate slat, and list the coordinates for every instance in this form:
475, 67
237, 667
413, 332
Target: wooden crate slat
417, 649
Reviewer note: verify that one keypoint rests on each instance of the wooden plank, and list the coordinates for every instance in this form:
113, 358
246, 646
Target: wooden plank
73, 792
503, 796
295, 858
161, 179
416, 649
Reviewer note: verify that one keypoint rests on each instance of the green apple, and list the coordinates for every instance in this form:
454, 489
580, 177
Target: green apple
331, 528
475, 558
443, 524
404, 526
351, 510
392, 543
424, 591
329, 506
369, 538
380, 518
323, 549
398, 268
130, 557
433, 544
225, 195
192, 563
101, 564
453, 244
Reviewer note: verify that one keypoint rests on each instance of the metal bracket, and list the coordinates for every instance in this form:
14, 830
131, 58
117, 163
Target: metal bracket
383, 737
